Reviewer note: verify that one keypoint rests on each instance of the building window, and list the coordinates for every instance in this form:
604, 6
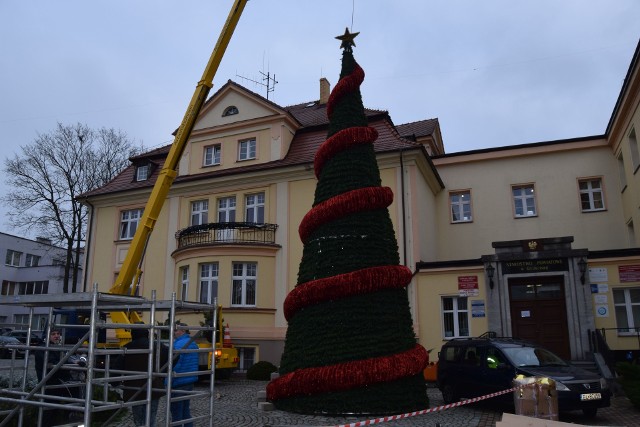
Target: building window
524, 200
621, 172
208, 283
247, 356
591, 195
129, 223
13, 258
9, 288
455, 317
184, 283
460, 206
247, 149
212, 155
142, 172
254, 208
230, 111
627, 306
227, 209
33, 288
32, 260
199, 212
635, 154
243, 292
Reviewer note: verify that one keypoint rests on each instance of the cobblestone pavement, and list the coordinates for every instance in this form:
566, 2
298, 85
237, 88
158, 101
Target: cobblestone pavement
236, 406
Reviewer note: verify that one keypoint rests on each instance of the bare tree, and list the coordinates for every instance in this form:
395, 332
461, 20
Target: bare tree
49, 174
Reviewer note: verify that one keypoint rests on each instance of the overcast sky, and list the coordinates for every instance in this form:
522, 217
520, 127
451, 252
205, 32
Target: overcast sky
494, 72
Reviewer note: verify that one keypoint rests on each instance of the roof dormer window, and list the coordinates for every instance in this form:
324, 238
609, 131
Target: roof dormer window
230, 111
142, 172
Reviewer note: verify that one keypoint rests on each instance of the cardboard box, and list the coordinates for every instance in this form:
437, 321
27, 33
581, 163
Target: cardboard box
536, 397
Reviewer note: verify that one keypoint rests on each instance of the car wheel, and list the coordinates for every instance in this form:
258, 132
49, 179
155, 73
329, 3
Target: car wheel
449, 394
590, 412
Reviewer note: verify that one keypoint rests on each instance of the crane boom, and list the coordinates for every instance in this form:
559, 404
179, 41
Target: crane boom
130, 272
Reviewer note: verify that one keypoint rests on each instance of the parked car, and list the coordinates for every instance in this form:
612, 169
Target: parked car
22, 337
5, 352
476, 367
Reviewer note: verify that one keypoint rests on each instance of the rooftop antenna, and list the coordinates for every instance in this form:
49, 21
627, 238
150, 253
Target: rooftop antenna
268, 81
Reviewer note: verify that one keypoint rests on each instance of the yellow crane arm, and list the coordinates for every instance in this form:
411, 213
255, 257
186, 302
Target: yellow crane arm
130, 272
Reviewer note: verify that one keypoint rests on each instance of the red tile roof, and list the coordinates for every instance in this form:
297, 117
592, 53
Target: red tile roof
313, 118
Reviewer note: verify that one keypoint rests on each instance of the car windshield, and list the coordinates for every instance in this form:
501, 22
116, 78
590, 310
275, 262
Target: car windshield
533, 356
9, 340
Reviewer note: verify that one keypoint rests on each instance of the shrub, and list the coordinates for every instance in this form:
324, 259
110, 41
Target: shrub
630, 381
261, 371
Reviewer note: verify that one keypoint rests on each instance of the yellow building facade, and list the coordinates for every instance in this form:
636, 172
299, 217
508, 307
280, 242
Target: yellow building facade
534, 240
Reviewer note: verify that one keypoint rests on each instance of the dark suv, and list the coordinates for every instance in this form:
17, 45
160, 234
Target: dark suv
473, 367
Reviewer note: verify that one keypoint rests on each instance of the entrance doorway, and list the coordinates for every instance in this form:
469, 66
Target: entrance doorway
539, 312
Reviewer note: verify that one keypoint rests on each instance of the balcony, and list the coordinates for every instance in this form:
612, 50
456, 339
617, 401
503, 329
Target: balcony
225, 233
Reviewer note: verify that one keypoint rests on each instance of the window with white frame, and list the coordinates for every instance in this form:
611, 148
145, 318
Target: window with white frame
33, 288
199, 212
243, 292
13, 258
247, 356
524, 200
455, 317
247, 149
184, 283
254, 208
208, 282
31, 260
9, 288
627, 307
227, 209
142, 172
591, 194
460, 202
212, 155
129, 221
230, 111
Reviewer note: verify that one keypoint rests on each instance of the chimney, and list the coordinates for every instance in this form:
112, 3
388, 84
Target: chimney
325, 89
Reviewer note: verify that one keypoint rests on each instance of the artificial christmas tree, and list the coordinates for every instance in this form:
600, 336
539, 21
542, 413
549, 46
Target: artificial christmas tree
350, 346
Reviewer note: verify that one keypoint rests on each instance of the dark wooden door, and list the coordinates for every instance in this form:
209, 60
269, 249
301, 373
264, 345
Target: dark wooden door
539, 312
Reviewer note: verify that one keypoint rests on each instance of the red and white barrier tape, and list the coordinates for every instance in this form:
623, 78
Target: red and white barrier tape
424, 411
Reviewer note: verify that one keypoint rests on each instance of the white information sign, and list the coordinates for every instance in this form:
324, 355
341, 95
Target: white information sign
598, 275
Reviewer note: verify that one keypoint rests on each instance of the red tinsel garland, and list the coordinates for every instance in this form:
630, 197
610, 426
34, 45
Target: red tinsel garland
345, 85
358, 200
340, 141
348, 375
344, 285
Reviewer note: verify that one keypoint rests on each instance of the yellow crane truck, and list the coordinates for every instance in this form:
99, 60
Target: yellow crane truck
226, 357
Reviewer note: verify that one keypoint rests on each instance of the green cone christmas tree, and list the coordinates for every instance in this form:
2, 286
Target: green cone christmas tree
350, 346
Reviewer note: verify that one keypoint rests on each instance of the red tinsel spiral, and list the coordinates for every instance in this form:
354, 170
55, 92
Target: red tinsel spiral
340, 141
344, 285
359, 200
345, 85
346, 376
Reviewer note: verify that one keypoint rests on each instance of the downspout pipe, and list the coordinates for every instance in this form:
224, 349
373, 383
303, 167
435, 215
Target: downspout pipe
403, 205
87, 246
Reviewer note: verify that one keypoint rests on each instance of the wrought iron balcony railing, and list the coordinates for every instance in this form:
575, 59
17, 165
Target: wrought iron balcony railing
217, 233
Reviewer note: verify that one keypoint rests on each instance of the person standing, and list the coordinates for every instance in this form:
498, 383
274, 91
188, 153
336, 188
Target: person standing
56, 385
182, 385
133, 390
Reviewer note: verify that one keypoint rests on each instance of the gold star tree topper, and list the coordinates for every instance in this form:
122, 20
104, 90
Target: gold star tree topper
347, 39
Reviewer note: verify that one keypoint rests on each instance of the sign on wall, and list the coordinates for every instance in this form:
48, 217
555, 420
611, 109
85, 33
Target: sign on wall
477, 308
629, 273
468, 286
534, 265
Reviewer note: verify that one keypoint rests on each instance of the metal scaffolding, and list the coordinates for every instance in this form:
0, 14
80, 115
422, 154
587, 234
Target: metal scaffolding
89, 361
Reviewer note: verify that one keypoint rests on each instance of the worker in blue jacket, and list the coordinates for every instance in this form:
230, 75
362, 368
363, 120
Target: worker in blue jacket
181, 386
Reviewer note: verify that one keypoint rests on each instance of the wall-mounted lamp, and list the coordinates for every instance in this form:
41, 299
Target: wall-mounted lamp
490, 272
582, 265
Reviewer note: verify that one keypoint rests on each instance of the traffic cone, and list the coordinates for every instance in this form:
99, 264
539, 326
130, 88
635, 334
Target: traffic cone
226, 342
